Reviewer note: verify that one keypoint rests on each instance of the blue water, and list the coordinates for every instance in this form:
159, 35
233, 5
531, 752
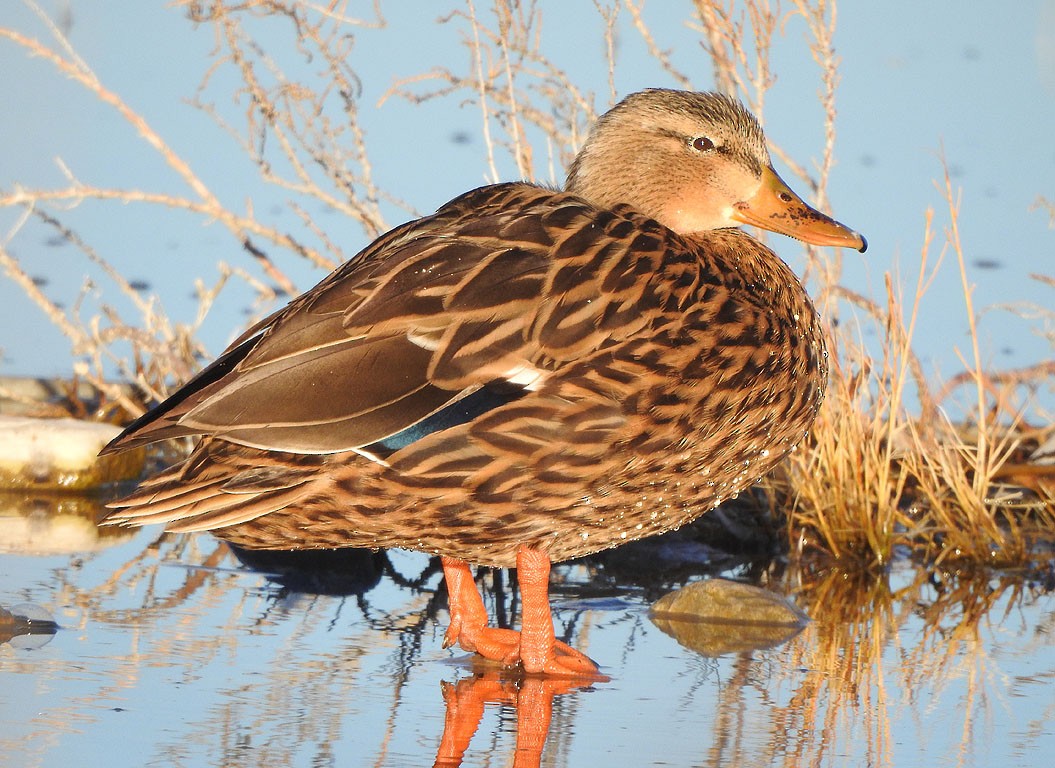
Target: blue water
172, 653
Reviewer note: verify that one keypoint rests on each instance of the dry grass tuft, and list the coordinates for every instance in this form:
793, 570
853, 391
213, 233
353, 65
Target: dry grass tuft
877, 478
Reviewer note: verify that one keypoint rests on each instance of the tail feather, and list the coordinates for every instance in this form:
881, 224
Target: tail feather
232, 510
217, 486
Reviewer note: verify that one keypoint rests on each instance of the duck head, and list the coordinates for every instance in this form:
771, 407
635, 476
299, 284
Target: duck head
694, 162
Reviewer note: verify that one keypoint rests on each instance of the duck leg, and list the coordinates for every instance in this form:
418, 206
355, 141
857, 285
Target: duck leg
535, 647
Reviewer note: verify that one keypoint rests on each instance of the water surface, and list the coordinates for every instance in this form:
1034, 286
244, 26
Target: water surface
171, 651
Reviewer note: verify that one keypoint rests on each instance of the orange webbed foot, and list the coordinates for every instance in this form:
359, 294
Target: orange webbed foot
534, 648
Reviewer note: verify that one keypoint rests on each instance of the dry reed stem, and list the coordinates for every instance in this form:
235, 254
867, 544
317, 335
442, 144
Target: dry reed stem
78, 71
161, 350
1047, 205
294, 115
662, 55
519, 90
820, 19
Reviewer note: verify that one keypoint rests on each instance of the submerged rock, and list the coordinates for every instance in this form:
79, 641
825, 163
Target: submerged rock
715, 617
61, 454
27, 626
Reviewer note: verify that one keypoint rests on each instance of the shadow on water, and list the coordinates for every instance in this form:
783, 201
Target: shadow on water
186, 651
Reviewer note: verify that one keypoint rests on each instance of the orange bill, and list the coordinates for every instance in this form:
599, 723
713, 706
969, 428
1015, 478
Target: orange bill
776, 208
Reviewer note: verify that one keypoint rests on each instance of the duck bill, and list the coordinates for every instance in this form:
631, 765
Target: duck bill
776, 208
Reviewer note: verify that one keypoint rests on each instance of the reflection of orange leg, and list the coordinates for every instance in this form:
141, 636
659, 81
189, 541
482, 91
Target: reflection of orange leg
535, 646
531, 697
465, 707
534, 711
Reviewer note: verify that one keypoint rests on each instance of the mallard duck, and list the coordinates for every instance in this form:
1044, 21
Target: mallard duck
526, 376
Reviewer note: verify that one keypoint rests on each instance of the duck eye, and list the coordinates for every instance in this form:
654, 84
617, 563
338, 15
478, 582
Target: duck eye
702, 144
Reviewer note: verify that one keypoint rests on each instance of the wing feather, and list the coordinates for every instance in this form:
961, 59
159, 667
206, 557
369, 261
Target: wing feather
506, 283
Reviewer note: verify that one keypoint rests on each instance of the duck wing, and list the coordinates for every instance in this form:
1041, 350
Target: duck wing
498, 290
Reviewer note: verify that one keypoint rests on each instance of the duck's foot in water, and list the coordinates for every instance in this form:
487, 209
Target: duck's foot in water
534, 648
